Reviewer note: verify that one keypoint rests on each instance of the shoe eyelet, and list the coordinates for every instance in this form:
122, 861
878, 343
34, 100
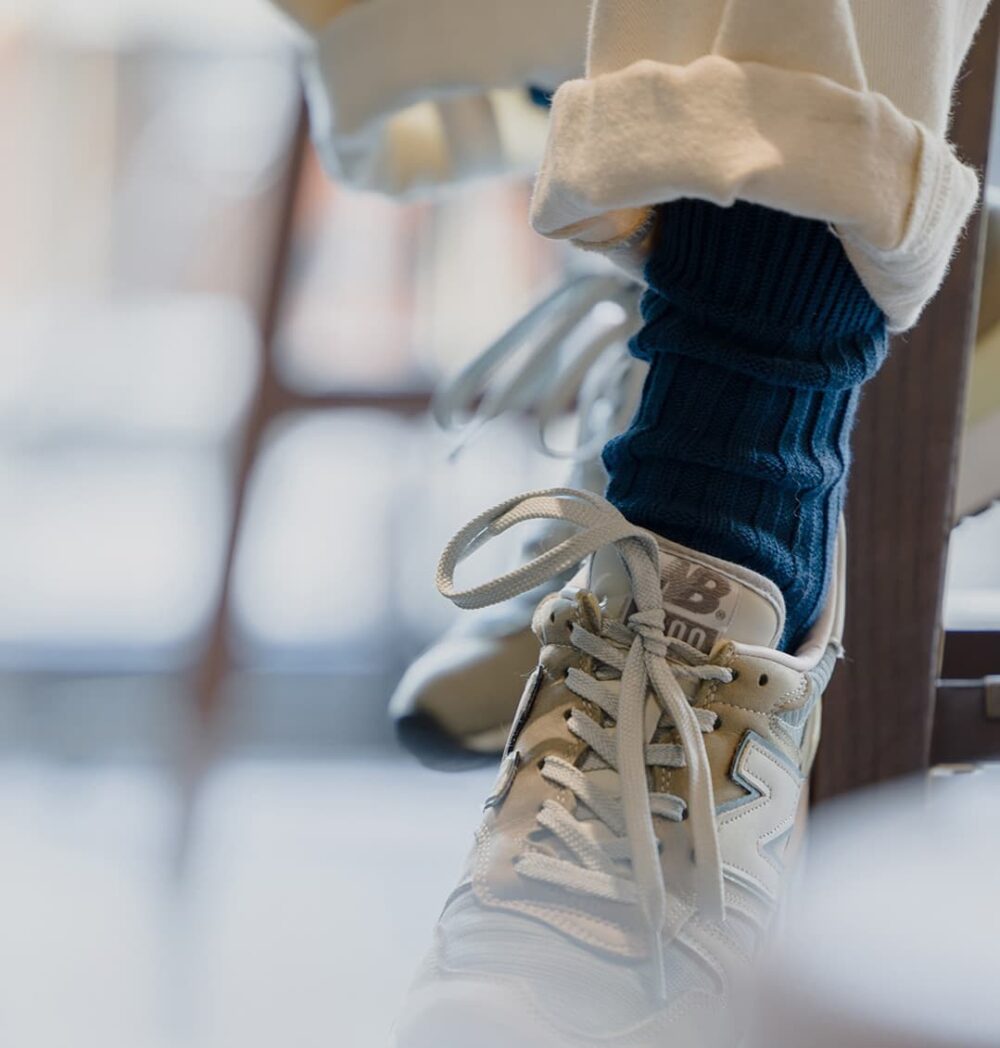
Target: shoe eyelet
735, 676
567, 713
763, 679
718, 723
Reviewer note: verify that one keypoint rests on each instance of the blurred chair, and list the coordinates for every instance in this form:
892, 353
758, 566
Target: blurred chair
273, 398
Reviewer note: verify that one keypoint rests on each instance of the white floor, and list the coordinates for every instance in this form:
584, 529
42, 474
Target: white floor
308, 896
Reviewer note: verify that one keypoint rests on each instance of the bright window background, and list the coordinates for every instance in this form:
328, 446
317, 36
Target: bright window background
171, 879
145, 149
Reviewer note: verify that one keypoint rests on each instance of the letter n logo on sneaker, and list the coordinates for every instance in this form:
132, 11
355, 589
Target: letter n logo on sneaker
699, 602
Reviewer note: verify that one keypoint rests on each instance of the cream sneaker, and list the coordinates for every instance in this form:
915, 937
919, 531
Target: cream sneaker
454, 705
634, 848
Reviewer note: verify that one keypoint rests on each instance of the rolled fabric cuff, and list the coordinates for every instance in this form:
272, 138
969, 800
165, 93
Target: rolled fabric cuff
722, 130
404, 96
430, 146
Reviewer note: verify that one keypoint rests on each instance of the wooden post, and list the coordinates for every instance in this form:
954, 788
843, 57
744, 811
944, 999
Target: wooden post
879, 710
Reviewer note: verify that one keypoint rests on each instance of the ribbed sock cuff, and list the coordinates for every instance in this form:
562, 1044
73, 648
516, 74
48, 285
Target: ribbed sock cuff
771, 275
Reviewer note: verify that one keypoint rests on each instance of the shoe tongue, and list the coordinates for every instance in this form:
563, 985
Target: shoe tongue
708, 601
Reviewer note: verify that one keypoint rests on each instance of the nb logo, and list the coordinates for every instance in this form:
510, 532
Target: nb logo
697, 635
694, 587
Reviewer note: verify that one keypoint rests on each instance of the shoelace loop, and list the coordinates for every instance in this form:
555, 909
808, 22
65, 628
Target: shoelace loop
549, 360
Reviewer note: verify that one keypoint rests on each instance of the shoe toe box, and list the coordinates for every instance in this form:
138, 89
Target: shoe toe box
497, 979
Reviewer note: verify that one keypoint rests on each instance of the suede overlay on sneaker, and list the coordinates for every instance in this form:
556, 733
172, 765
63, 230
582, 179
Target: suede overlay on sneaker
759, 336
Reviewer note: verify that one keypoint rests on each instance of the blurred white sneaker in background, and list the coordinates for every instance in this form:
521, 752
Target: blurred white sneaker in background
454, 706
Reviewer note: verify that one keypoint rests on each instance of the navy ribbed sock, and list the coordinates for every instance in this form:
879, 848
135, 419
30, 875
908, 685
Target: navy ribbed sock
759, 335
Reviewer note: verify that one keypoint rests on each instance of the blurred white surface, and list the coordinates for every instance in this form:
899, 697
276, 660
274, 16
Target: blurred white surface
972, 596
114, 421
310, 890
103, 23
159, 366
349, 511
107, 553
307, 899
895, 940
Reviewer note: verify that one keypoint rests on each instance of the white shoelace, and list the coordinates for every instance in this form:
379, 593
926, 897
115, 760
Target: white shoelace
562, 363
638, 653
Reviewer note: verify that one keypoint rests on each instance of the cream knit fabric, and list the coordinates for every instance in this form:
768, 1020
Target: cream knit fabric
831, 109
